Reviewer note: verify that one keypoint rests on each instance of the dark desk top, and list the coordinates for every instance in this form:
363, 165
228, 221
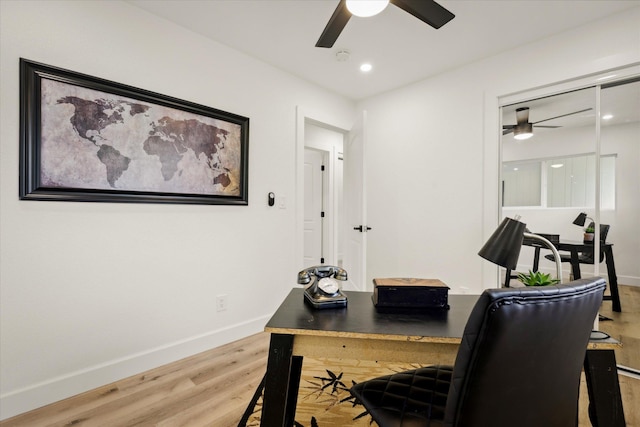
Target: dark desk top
361, 319
564, 244
567, 245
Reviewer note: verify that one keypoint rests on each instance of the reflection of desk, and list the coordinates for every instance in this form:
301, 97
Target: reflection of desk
575, 248
362, 332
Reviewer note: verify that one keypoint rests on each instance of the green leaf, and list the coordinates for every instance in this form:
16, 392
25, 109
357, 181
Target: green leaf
537, 279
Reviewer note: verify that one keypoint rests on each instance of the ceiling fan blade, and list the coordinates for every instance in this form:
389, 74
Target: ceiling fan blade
426, 10
547, 127
507, 131
563, 115
335, 25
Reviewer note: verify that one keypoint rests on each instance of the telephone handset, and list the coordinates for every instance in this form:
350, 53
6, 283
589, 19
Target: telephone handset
323, 289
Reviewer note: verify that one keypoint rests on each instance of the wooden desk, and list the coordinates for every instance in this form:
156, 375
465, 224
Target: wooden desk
575, 248
359, 331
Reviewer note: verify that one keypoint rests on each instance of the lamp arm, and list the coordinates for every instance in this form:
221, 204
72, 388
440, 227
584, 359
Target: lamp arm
550, 245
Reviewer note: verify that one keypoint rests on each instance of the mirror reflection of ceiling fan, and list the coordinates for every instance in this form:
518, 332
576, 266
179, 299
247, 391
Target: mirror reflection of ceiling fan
523, 129
425, 10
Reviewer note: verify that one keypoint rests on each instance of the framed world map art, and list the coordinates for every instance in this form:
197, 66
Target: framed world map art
87, 139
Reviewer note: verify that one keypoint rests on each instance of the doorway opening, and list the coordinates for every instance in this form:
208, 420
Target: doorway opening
323, 201
344, 226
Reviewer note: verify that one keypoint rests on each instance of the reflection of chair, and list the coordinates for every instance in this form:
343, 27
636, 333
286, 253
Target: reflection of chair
515, 365
587, 256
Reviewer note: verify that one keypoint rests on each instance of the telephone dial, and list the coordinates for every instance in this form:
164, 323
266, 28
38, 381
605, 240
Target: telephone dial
323, 289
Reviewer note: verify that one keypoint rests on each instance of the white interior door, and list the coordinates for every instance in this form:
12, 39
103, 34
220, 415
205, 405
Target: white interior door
355, 232
313, 229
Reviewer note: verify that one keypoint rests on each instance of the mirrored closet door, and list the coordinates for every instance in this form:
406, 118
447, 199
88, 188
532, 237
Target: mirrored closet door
576, 152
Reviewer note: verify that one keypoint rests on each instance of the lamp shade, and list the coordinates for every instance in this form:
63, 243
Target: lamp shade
503, 247
580, 219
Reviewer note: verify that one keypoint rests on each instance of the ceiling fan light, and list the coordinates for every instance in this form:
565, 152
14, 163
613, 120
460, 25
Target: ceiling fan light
523, 131
522, 136
366, 8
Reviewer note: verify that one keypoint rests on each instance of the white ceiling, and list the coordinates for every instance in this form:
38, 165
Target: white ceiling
401, 48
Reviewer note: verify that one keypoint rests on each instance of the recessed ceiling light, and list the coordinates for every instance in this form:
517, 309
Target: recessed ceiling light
607, 117
366, 67
557, 165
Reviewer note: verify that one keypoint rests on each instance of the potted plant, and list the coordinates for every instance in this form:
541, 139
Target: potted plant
589, 234
537, 279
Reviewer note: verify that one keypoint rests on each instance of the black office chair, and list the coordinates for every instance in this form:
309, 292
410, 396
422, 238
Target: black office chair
587, 256
519, 363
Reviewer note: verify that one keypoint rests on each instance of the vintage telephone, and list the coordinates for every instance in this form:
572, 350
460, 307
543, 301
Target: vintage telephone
323, 290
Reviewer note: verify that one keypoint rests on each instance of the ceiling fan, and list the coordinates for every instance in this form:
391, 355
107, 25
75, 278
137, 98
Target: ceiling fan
426, 10
523, 129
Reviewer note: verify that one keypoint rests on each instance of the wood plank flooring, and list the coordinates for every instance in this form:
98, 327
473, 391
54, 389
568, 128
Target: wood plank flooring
213, 388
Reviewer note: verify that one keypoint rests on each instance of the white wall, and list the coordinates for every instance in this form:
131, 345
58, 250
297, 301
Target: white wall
433, 152
95, 292
91, 293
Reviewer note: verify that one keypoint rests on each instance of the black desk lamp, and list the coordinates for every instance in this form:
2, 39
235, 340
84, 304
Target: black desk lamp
581, 219
503, 247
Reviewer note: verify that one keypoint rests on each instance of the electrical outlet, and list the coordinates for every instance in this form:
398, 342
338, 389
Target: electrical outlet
221, 302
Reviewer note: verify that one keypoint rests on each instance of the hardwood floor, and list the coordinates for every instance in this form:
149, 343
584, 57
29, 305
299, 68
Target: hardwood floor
213, 388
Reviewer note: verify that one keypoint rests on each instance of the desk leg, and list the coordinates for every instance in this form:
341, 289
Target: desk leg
575, 265
613, 279
278, 407
294, 387
605, 401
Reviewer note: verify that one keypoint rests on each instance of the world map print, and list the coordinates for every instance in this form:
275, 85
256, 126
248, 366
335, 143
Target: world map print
96, 140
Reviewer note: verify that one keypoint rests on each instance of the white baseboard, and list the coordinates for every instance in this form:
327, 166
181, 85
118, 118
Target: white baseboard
629, 280
55, 389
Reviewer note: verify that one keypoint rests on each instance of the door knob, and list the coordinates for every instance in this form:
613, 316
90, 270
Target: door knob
362, 228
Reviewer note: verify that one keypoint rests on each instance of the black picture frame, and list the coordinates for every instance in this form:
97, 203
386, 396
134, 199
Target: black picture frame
110, 142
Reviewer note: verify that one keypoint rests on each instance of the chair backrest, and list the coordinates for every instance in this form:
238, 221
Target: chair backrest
604, 230
521, 356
